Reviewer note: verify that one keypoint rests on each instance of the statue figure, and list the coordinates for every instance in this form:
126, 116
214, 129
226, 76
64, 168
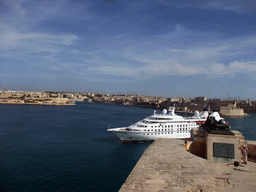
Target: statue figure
215, 122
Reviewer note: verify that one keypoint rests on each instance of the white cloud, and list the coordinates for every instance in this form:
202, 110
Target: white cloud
117, 71
243, 67
13, 39
177, 69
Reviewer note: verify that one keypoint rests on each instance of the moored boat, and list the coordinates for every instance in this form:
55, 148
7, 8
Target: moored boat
164, 125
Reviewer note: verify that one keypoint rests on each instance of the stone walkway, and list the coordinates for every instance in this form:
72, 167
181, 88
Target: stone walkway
167, 166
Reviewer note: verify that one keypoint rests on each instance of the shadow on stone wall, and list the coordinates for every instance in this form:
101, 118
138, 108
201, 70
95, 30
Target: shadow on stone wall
252, 150
198, 148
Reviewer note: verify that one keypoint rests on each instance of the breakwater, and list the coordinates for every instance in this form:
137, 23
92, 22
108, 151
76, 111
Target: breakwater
167, 166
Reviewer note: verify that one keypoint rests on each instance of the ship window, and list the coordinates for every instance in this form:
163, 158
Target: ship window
168, 132
151, 126
177, 125
171, 132
155, 133
159, 130
158, 133
162, 130
171, 126
168, 126
165, 129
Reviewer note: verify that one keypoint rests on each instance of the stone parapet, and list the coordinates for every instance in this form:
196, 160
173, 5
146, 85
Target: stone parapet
167, 166
252, 150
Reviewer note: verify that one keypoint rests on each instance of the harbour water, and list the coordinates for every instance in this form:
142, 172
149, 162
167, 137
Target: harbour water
49, 148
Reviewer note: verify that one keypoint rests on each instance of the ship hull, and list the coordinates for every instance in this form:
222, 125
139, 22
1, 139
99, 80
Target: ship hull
129, 136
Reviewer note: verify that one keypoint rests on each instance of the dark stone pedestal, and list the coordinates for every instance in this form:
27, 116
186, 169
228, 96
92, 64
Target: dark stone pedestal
216, 130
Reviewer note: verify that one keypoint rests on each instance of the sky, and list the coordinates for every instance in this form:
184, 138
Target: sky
167, 48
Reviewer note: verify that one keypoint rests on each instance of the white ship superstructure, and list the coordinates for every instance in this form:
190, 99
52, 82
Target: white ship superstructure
165, 125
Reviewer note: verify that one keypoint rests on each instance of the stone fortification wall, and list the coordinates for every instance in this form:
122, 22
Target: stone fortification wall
167, 166
198, 147
252, 150
228, 111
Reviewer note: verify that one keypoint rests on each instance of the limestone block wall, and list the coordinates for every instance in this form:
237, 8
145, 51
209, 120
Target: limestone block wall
198, 147
252, 149
228, 111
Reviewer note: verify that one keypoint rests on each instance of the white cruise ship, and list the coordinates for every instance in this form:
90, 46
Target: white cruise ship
165, 125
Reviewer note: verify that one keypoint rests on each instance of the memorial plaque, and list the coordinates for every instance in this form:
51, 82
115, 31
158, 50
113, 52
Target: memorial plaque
223, 150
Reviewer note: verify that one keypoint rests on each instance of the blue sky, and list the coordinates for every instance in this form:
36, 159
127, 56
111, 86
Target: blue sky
165, 48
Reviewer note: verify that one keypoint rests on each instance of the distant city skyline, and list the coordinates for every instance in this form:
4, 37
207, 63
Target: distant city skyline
153, 48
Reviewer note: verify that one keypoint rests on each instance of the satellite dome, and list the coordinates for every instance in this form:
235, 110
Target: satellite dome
164, 111
196, 113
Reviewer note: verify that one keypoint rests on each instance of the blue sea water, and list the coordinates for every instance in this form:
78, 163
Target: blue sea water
55, 148
67, 148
